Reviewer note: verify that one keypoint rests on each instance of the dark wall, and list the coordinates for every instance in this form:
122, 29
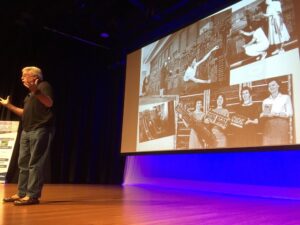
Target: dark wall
88, 85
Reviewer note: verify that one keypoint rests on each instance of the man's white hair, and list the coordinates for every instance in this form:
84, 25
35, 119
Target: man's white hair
34, 71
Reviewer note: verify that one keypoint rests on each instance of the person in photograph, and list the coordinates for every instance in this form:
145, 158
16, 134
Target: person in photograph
145, 85
247, 135
38, 121
195, 140
145, 127
278, 33
164, 74
190, 73
157, 122
259, 43
219, 131
200, 136
276, 113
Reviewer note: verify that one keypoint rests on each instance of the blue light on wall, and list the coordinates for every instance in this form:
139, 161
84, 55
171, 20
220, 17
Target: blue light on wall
272, 169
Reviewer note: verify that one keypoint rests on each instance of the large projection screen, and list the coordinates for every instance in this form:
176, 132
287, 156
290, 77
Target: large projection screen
228, 81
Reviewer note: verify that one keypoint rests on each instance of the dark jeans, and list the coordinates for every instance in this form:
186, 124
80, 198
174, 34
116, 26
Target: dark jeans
34, 149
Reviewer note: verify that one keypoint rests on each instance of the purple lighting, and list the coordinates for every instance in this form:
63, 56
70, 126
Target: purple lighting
104, 35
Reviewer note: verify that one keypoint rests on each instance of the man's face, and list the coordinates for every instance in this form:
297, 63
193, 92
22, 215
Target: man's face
28, 79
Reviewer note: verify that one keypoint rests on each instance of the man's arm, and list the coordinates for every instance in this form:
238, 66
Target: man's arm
44, 99
6, 103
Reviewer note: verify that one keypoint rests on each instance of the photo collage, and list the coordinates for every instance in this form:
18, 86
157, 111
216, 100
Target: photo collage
227, 81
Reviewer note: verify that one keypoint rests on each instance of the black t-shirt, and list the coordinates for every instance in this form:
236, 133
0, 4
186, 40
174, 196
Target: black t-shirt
35, 114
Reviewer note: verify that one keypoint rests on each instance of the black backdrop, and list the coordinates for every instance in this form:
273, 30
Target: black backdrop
88, 82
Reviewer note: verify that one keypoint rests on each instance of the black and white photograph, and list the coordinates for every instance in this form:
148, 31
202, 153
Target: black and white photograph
216, 71
258, 113
262, 29
187, 61
156, 125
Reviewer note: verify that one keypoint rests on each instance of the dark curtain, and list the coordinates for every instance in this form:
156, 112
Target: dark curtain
88, 85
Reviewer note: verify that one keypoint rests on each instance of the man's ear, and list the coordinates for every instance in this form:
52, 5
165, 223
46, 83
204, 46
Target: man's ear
37, 81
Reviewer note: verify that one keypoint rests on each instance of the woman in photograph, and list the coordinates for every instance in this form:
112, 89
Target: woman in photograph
190, 73
276, 113
200, 134
164, 74
247, 134
259, 43
197, 117
278, 33
145, 85
218, 131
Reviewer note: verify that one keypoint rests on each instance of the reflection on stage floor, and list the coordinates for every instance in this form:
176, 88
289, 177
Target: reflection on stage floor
118, 205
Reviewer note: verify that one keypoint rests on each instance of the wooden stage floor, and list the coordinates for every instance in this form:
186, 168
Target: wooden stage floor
117, 205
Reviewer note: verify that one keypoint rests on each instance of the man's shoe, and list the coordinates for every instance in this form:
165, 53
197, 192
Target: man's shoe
12, 198
26, 201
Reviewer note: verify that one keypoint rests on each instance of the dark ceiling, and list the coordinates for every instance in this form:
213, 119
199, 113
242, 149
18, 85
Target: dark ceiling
129, 23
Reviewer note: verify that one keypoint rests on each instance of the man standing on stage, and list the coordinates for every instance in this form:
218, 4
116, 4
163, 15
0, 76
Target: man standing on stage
37, 120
